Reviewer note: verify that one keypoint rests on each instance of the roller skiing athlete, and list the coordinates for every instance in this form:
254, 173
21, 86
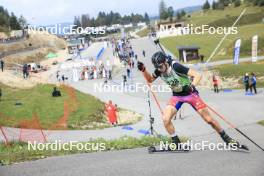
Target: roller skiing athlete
183, 89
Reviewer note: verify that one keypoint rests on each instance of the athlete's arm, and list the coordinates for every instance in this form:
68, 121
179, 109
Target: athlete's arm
148, 76
196, 76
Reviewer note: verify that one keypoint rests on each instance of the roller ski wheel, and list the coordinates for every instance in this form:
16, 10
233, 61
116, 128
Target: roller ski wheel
151, 149
243, 147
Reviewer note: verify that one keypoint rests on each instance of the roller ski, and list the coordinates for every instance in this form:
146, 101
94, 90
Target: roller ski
153, 149
175, 147
236, 145
233, 143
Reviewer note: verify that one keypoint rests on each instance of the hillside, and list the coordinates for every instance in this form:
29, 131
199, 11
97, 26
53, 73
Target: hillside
207, 17
250, 24
33, 49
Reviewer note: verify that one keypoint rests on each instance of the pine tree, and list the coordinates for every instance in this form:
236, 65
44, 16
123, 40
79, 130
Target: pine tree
14, 25
163, 11
170, 13
146, 18
77, 22
214, 5
237, 3
183, 13
178, 15
22, 21
206, 5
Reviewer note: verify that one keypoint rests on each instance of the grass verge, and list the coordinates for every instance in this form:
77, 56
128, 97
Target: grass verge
18, 151
261, 122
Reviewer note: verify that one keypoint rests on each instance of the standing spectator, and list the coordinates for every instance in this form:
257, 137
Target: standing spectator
133, 53
136, 56
246, 82
128, 72
63, 78
95, 73
110, 74
86, 74
202, 58
253, 83
78, 52
144, 53
2, 64
25, 71
111, 112
58, 76
215, 83
133, 63
124, 80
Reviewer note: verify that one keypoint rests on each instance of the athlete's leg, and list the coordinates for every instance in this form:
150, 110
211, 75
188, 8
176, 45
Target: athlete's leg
204, 113
169, 112
202, 110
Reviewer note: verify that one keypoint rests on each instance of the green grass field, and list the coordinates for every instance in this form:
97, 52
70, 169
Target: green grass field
261, 122
38, 100
250, 24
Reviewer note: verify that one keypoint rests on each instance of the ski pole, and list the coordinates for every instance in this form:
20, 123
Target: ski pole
154, 95
158, 43
232, 126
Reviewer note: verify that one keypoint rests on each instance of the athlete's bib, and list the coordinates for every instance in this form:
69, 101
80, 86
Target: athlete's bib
176, 81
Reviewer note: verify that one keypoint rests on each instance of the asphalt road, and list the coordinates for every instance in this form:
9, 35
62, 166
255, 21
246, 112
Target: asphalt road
139, 162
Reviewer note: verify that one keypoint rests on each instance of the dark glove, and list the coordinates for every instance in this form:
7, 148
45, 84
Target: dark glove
191, 89
141, 66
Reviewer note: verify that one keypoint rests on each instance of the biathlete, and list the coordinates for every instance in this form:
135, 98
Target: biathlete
183, 89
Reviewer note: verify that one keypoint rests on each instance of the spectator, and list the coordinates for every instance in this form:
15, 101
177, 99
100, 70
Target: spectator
110, 74
58, 76
246, 82
253, 83
136, 56
2, 64
25, 71
133, 64
215, 83
124, 80
111, 112
94, 73
63, 78
202, 58
128, 72
78, 51
56, 93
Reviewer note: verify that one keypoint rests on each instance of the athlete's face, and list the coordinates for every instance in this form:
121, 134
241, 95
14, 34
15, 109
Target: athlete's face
162, 68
